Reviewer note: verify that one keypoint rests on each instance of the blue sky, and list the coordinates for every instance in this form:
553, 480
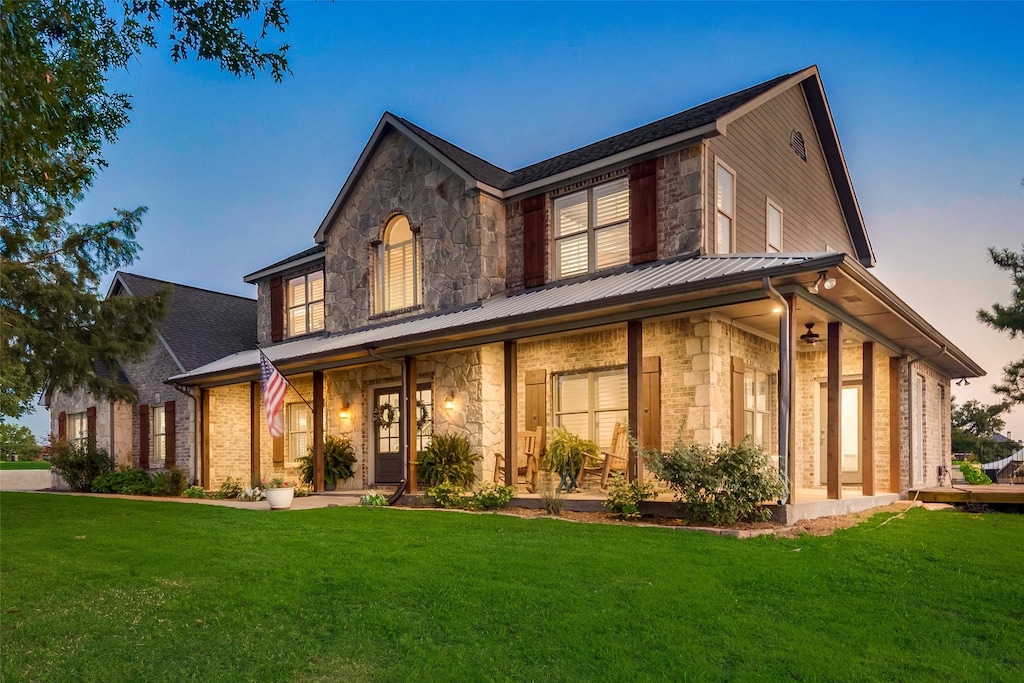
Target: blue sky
927, 98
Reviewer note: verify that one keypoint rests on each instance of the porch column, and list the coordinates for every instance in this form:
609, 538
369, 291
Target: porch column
318, 430
787, 389
204, 439
511, 411
895, 424
408, 412
833, 435
634, 373
867, 418
254, 434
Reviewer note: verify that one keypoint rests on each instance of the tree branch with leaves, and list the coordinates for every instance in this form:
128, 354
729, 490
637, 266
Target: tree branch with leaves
1010, 319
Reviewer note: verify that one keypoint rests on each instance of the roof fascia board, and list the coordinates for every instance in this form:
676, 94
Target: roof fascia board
632, 154
253, 278
746, 108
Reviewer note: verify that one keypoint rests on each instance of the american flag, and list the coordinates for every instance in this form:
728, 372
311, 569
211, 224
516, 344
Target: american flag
273, 396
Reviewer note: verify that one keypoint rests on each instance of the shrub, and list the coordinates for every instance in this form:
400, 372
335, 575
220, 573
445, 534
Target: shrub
372, 499
126, 481
973, 473
169, 483
229, 488
339, 461
720, 484
449, 459
195, 492
551, 496
625, 496
447, 495
491, 497
567, 451
80, 465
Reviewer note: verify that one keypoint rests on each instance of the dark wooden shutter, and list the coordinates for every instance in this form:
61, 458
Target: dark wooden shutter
651, 389
534, 241
536, 402
170, 429
738, 369
276, 309
144, 437
643, 212
62, 427
278, 451
90, 425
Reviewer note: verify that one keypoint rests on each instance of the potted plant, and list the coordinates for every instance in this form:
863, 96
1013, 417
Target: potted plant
339, 462
279, 493
565, 456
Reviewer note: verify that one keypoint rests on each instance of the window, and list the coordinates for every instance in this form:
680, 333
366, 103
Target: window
306, 303
398, 262
159, 436
592, 229
78, 429
917, 429
424, 417
725, 208
590, 403
773, 228
298, 430
757, 423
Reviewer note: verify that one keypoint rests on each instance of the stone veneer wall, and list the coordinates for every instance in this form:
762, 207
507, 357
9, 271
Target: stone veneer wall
113, 422
461, 233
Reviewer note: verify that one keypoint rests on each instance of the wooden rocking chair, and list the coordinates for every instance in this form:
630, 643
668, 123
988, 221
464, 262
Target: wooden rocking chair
527, 461
616, 459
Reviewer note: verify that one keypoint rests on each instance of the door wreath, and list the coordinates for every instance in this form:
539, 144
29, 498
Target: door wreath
384, 415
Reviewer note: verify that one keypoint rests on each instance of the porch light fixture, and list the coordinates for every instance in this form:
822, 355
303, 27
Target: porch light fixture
962, 382
345, 413
449, 401
823, 281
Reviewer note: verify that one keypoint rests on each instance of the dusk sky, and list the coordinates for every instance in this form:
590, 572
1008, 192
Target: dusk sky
928, 100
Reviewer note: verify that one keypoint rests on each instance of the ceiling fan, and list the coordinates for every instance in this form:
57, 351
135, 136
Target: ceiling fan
810, 337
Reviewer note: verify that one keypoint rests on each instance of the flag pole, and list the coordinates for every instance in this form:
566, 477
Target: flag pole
286, 380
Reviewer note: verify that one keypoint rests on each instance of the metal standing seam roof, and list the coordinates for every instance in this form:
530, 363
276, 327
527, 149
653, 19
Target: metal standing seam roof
605, 287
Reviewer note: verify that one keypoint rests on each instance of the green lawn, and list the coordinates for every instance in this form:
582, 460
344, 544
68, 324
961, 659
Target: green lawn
24, 465
106, 589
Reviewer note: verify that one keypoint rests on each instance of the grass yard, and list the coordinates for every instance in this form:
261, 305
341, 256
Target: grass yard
118, 590
24, 465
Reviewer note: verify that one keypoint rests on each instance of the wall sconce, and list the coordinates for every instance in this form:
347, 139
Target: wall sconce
345, 414
823, 281
449, 401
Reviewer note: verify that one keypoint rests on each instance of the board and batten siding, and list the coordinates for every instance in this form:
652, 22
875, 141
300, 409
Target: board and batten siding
757, 147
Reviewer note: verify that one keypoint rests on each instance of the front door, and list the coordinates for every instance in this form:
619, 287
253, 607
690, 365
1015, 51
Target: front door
849, 445
387, 439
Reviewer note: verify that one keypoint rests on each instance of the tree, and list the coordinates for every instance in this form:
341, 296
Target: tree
56, 57
1009, 319
975, 426
17, 440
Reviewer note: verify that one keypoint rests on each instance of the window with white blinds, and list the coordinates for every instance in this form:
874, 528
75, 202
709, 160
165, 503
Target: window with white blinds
306, 303
78, 429
399, 282
299, 429
757, 423
725, 209
592, 229
158, 434
590, 403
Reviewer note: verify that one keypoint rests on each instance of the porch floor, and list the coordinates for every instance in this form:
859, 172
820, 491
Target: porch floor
999, 494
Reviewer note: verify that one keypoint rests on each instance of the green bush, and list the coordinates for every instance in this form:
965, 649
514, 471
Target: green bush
170, 483
80, 465
229, 488
372, 499
567, 451
449, 459
447, 495
491, 497
126, 481
973, 474
625, 496
720, 484
195, 492
339, 461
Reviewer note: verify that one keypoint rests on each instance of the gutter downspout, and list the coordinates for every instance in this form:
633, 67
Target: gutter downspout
785, 384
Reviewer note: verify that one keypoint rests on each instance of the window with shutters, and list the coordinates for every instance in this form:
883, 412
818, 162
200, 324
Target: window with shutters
298, 430
725, 209
305, 303
78, 429
590, 403
158, 436
773, 228
399, 278
592, 229
757, 420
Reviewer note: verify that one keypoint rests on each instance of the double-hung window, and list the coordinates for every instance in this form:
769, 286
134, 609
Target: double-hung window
299, 430
589, 404
592, 229
725, 209
757, 422
399, 280
773, 228
159, 436
306, 303
78, 429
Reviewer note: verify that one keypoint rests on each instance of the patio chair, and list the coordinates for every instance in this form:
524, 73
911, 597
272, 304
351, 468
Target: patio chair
527, 461
615, 459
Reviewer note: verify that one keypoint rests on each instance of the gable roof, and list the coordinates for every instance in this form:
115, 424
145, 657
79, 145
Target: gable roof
201, 325
708, 119
311, 255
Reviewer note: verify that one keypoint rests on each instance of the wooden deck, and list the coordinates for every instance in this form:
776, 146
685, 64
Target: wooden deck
1004, 494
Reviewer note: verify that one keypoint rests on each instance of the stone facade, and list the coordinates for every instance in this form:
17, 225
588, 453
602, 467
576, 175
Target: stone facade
680, 212
113, 422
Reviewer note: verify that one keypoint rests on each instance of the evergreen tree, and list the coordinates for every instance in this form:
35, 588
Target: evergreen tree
1010, 319
57, 113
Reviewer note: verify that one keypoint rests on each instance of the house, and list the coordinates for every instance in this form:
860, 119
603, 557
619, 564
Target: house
158, 430
706, 276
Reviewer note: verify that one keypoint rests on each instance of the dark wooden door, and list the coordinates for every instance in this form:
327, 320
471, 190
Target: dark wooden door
387, 436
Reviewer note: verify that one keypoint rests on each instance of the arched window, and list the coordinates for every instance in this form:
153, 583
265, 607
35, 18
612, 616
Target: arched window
399, 281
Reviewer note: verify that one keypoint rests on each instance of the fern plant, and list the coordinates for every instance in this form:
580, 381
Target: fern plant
449, 459
567, 452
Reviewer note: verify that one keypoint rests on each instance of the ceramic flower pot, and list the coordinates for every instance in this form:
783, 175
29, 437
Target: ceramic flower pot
280, 499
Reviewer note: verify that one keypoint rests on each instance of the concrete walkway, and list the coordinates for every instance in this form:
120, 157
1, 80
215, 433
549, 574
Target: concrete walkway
24, 480
320, 500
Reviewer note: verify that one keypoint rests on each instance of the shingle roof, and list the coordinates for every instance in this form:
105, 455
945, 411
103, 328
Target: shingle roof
305, 253
481, 169
201, 325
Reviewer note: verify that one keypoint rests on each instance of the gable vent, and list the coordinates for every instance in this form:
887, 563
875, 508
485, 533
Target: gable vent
796, 141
